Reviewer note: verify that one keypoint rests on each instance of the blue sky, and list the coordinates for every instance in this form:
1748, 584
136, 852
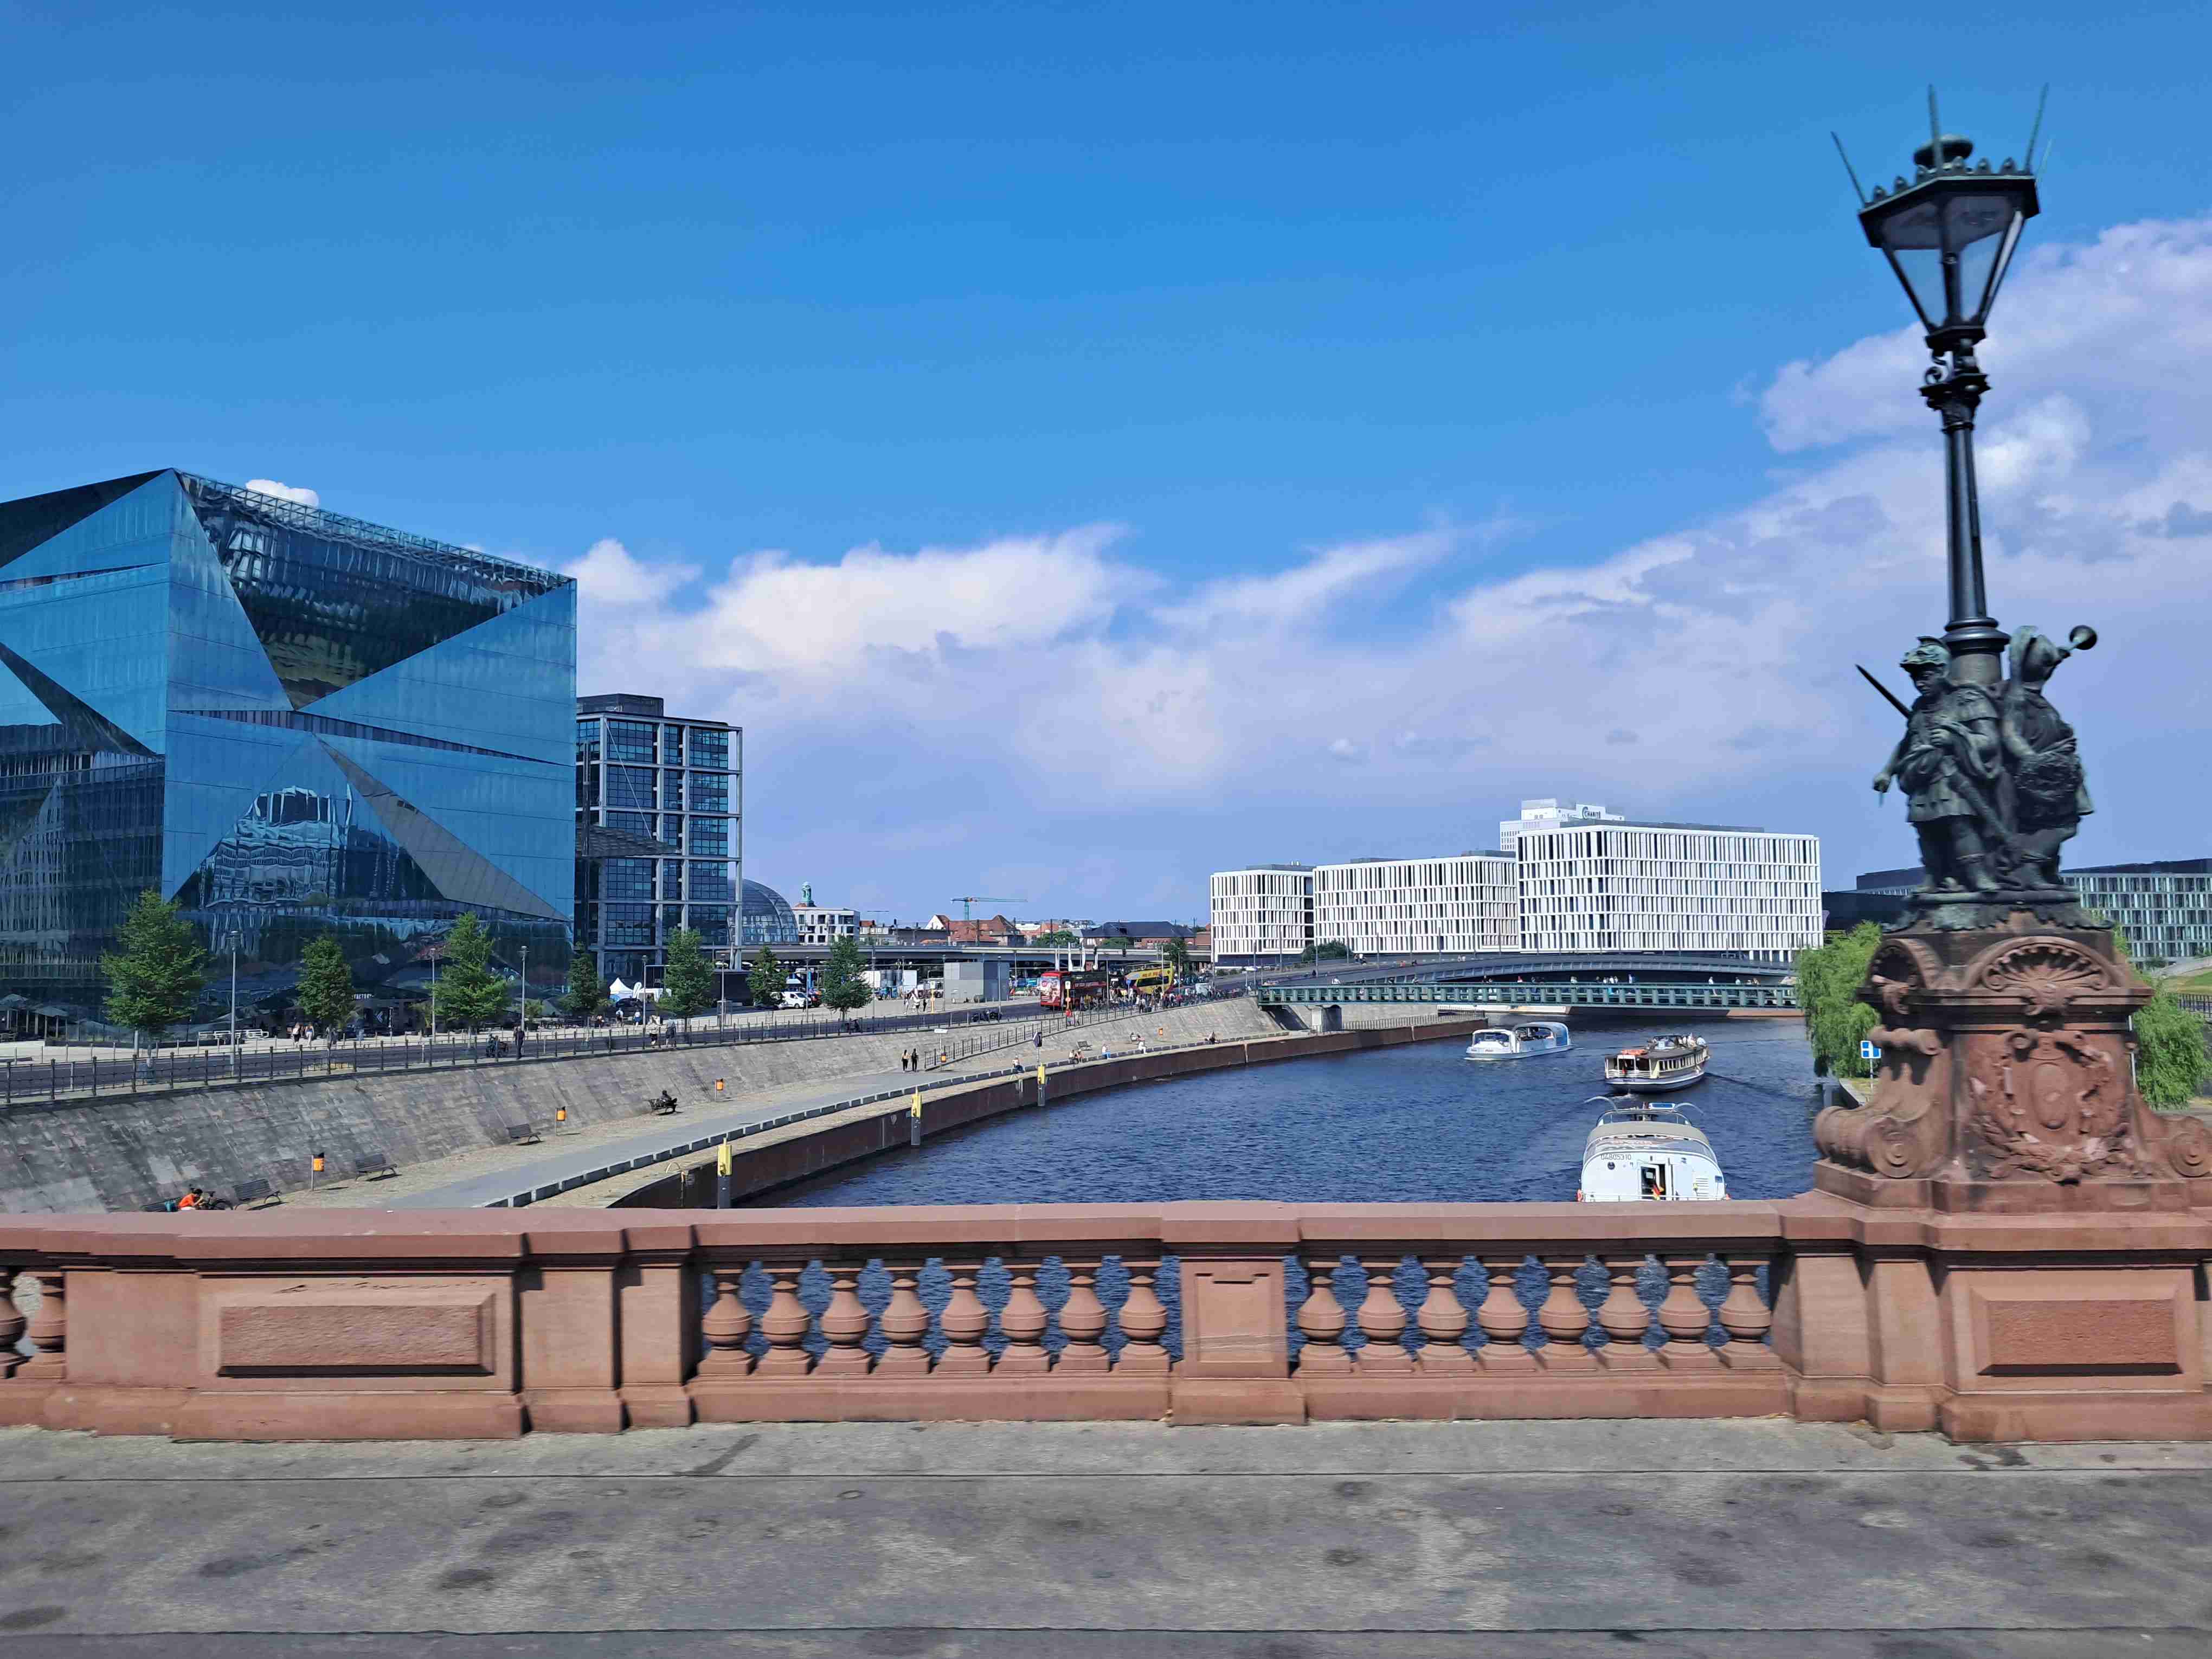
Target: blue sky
1083, 317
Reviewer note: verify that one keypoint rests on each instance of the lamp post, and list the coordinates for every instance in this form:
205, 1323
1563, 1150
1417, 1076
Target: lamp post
1948, 232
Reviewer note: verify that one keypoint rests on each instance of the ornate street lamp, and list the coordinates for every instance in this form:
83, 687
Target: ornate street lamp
1949, 233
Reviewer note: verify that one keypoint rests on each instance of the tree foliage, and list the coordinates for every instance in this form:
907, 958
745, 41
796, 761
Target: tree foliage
1057, 936
764, 978
687, 982
1175, 957
1329, 950
156, 973
469, 993
1836, 1021
325, 990
587, 992
842, 988
2171, 1064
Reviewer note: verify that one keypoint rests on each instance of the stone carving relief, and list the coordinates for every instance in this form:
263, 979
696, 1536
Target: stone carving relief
2045, 974
2051, 1103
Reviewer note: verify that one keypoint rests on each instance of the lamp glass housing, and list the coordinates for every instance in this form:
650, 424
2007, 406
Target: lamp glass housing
1949, 237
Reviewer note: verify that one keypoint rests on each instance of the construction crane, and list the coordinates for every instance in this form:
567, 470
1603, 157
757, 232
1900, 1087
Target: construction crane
969, 901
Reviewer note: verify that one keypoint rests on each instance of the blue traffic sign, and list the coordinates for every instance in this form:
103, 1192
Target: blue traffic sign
1869, 1050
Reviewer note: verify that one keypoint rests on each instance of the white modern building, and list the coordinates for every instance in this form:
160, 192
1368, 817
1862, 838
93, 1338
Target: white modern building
1263, 913
1453, 906
1628, 886
1550, 814
822, 924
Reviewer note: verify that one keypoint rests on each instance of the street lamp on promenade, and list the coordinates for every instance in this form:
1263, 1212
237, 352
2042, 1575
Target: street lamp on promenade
1948, 232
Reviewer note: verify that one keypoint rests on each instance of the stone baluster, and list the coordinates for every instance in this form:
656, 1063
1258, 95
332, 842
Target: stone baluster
965, 1320
1624, 1318
1320, 1320
1745, 1317
1443, 1322
726, 1326
1685, 1318
1564, 1318
1144, 1321
844, 1324
905, 1324
1382, 1323
1081, 1321
785, 1324
1022, 1322
49, 1329
1503, 1321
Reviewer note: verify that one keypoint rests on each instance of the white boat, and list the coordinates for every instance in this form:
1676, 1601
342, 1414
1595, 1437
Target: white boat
1664, 1063
1647, 1149
1536, 1036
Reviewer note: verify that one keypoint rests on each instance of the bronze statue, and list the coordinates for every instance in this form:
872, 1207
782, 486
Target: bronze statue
1950, 762
2047, 798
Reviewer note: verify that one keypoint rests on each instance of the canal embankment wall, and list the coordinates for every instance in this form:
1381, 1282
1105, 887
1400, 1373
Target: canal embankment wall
125, 1152
799, 1152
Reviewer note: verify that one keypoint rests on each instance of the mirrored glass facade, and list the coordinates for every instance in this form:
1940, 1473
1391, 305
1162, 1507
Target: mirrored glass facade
660, 837
288, 721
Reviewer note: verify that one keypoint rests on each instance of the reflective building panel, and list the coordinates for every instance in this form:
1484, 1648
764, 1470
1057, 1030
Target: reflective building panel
658, 840
290, 721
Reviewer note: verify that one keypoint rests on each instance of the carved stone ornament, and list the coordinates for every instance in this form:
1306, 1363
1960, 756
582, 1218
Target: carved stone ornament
2046, 974
2050, 1103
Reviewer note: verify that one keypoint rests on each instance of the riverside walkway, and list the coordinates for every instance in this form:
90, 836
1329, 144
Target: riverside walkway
1720, 1539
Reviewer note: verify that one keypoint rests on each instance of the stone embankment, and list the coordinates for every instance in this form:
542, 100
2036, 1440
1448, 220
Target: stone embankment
126, 1153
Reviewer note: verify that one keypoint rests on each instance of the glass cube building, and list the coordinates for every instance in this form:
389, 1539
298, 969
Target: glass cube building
659, 833
286, 721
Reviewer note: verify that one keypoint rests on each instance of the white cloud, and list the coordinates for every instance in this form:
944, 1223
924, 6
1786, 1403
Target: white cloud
284, 492
1036, 699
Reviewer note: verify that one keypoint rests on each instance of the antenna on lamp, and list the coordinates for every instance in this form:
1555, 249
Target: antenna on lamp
1850, 169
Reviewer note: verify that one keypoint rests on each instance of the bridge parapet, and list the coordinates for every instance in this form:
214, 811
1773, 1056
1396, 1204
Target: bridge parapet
359, 1325
1544, 993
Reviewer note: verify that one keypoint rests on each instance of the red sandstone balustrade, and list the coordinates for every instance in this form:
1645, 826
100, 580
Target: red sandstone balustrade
402, 1324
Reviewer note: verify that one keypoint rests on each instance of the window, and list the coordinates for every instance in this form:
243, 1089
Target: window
629, 787
671, 792
710, 750
626, 878
629, 740
710, 792
712, 882
710, 837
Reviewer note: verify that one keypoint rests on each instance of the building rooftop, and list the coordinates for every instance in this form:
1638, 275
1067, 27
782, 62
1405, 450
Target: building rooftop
640, 707
1418, 858
1657, 823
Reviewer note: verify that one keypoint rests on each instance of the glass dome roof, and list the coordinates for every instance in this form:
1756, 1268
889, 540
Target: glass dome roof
767, 917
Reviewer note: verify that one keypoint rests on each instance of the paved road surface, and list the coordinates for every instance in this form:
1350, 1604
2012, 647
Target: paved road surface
1744, 1541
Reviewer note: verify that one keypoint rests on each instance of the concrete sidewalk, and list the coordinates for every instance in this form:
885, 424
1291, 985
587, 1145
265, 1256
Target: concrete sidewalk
1743, 1539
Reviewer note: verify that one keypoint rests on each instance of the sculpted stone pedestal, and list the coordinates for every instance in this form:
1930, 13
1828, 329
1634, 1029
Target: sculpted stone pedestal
2032, 1224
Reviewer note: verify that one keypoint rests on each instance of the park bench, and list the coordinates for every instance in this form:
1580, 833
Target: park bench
522, 1134
249, 1192
373, 1163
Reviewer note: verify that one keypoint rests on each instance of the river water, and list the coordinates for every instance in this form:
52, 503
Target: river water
1417, 1123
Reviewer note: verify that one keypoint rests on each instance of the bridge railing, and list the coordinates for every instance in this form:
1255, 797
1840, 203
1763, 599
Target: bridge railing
471, 1324
1516, 994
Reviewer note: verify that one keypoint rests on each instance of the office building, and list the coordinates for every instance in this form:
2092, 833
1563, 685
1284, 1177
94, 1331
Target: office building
289, 721
2164, 907
1262, 912
1549, 814
671, 788
1467, 902
1669, 887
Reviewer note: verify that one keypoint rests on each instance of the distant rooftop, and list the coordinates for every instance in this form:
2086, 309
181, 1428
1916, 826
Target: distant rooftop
1423, 858
640, 707
1658, 824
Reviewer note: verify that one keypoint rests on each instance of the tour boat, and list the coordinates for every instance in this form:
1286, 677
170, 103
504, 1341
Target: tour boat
1538, 1036
1664, 1063
1646, 1149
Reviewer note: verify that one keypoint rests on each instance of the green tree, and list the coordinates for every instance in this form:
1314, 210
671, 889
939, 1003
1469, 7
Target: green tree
842, 988
2171, 1064
587, 992
687, 982
1058, 936
1836, 1021
469, 994
156, 973
325, 990
1332, 950
765, 978
1175, 957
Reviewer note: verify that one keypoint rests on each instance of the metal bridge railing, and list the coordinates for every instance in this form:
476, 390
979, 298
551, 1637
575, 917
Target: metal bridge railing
1514, 993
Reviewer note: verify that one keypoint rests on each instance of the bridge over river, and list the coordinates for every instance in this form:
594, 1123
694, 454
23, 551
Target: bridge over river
1720, 984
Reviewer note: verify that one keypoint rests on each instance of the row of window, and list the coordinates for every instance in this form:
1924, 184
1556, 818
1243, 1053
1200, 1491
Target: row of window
647, 742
